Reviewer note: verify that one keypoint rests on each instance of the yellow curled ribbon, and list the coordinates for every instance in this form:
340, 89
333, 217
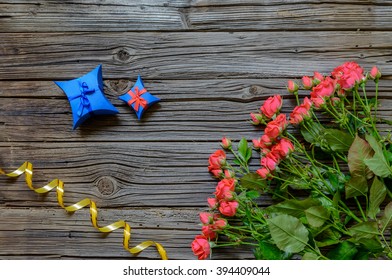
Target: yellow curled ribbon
27, 169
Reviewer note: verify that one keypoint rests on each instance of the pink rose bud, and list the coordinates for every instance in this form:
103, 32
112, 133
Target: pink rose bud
220, 224
212, 202
292, 87
226, 143
229, 174
263, 172
317, 78
206, 218
307, 82
209, 232
375, 73
256, 118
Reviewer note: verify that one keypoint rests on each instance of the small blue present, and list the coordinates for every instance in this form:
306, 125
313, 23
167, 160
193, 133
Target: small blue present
86, 97
139, 98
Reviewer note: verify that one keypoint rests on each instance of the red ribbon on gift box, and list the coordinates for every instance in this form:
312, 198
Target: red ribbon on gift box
136, 97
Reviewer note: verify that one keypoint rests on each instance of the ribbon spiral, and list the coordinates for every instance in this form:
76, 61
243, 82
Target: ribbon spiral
27, 169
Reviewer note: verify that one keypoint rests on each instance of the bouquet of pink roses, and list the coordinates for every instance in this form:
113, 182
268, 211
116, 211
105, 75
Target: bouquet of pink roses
327, 167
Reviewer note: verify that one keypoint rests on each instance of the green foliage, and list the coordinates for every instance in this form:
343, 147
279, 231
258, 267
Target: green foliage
253, 181
338, 140
269, 251
244, 151
330, 198
317, 215
378, 163
288, 233
344, 251
293, 207
377, 195
356, 186
360, 151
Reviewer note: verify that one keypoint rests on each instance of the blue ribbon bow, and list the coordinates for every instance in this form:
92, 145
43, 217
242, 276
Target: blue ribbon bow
84, 102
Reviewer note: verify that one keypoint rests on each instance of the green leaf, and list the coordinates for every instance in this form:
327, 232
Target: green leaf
344, 251
378, 163
362, 255
358, 152
372, 244
310, 256
253, 181
313, 134
377, 195
317, 215
365, 230
296, 183
386, 219
252, 194
293, 207
243, 150
327, 236
356, 186
288, 233
338, 140
268, 251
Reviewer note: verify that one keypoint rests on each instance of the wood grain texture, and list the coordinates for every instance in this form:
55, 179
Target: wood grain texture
191, 55
48, 233
211, 62
120, 15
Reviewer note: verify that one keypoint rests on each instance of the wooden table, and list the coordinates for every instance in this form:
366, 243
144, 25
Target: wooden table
211, 63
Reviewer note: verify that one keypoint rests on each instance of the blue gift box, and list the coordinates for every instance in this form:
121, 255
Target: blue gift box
138, 98
86, 97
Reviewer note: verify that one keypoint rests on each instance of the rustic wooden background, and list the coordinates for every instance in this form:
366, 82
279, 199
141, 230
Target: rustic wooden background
211, 63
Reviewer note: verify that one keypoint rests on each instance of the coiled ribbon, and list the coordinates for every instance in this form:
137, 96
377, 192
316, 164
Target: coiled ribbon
27, 169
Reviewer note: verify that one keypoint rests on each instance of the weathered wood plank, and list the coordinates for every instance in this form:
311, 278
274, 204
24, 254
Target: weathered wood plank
120, 15
113, 174
194, 110
41, 233
196, 55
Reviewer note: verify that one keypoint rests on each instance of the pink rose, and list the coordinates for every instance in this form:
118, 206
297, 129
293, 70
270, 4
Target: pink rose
375, 73
216, 161
263, 172
256, 118
262, 143
307, 82
301, 112
212, 202
201, 247
276, 127
228, 208
348, 75
229, 174
318, 102
206, 218
270, 161
226, 143
208, 232
219, 224
283, 148
324, 89
292, 86
225, 189
317, 78
272, 106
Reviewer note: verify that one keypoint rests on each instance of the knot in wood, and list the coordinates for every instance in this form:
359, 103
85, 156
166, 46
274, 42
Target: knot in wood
255, 90
123, 55
106, 185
